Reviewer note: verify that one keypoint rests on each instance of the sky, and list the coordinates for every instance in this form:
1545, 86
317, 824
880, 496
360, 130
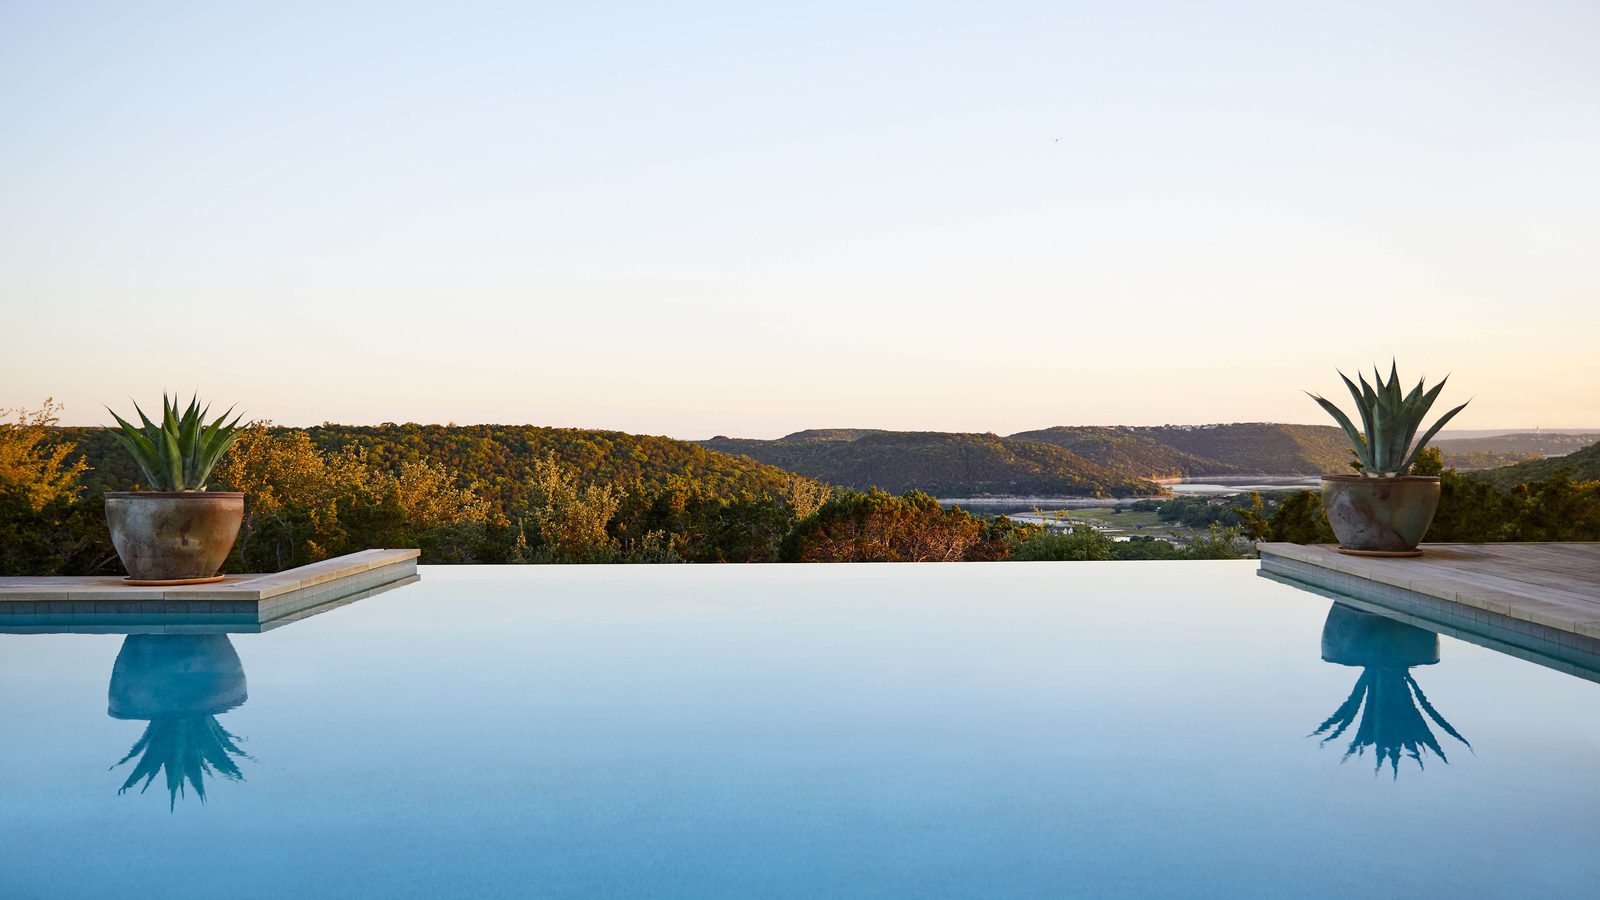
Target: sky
746, 219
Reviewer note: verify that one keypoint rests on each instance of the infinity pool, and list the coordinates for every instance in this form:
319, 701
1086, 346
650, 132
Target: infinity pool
995, 730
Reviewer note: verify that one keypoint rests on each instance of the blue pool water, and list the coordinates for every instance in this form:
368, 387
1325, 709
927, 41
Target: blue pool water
995, 730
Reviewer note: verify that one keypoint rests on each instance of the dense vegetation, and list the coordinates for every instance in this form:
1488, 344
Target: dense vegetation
500, 495
1086, 543
1468, 460
1076, 461
1258, 448
879, 527
498, 460
522, 494
1537, 443
1129, 452
477, 494
1244, 512
939, 463
1471, 453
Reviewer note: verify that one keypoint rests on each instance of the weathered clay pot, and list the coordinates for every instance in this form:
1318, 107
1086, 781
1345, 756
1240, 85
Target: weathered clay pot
161, 535
1388, 515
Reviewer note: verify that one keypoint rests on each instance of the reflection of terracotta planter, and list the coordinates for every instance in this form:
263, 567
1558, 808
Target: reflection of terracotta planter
1354, 637
1385, 515
170, 535
158, 675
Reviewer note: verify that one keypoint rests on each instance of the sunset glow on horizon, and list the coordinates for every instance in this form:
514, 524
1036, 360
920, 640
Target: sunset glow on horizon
718, 219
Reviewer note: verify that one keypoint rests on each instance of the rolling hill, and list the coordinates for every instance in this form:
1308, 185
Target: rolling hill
1257, 448
944, 464
1544, 443
1584, 465
1127, 451
497, 457
1107, 461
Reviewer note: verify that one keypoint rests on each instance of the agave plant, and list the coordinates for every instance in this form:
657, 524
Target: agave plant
179, 453
1386, 444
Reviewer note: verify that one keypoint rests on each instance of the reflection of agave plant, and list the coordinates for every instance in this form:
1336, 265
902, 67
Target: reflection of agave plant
1392, 724
1388, 700
180, 683
187, 748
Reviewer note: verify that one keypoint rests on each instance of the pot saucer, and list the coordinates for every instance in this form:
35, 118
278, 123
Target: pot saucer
1387, 554
168, 582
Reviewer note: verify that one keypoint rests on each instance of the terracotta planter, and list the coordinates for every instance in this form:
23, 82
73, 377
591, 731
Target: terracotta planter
169, 536
1380, 515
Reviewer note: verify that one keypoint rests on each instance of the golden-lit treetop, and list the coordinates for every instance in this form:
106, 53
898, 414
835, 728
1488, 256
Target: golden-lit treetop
31, 463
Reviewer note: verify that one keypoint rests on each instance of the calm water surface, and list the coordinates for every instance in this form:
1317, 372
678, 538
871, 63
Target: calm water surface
1013, 729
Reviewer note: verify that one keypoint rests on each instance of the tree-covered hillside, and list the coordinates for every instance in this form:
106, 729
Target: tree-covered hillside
1061, 461
1583, 465
499, 459
1258, 448
1128, 452
941, 463
1543, 443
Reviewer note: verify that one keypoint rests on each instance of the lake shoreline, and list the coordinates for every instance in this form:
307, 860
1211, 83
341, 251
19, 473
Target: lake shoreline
1216, 486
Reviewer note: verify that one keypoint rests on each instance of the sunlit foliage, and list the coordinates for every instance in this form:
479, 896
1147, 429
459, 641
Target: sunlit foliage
496, 494
877, 526
571, 517
303, 504
46, 527
32, 463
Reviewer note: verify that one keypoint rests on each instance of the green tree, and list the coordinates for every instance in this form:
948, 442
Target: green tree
571, 519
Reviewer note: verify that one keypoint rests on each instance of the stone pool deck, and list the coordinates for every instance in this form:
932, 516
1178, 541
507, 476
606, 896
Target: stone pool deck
1543, 598
238, 603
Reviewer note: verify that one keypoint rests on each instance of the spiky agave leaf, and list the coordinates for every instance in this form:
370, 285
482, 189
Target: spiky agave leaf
188, 430
214, 442
1422, 444
179, 453
1363, 452
1363, 407
1416, 411
1412, 411
1379, 438
191, 463
139, 447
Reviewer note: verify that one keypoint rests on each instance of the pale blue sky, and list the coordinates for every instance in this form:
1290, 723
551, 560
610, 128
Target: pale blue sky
694, 219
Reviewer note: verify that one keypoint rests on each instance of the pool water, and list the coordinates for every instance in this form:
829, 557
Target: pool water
994, 730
